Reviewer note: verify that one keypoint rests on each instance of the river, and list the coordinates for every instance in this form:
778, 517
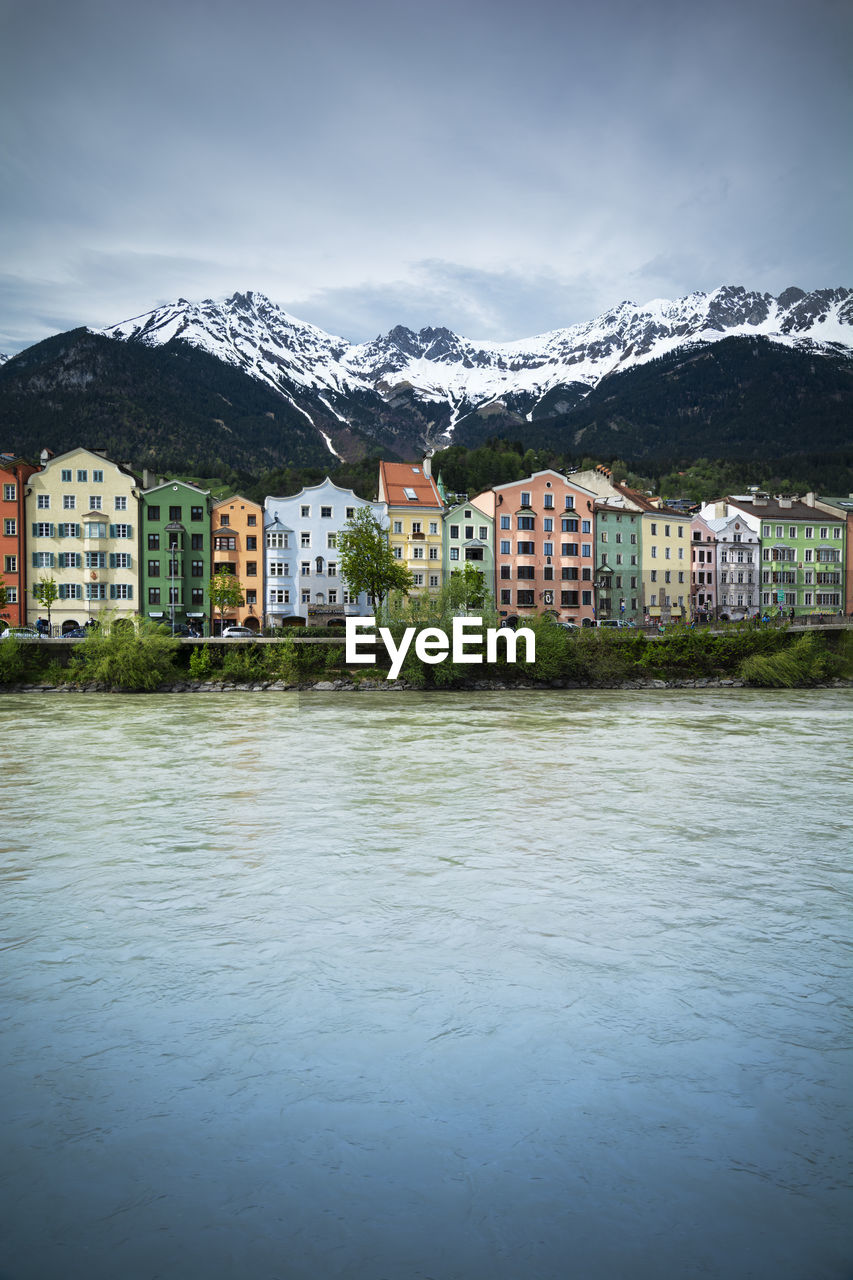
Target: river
377, 986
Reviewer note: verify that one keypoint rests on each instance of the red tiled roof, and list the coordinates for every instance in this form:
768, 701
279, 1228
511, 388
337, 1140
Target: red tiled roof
396, 477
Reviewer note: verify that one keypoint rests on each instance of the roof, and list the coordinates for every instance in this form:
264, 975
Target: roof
399, 481
774, 510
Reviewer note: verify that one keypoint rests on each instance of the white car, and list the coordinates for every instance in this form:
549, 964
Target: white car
20, 633
238, 633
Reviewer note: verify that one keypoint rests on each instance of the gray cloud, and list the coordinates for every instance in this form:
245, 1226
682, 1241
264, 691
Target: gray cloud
497, 168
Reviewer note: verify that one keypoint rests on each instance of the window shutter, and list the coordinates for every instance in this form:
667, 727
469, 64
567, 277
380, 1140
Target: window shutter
35, 560
35, 530
112, 591
112, 559
130, 530
112, 531
129, 595
130, 562
53, 531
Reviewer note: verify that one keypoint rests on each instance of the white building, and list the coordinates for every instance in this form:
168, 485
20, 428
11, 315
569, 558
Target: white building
300, 548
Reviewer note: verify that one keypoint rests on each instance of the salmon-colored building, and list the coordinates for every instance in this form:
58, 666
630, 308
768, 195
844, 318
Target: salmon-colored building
238, 528
544, 546
14, 474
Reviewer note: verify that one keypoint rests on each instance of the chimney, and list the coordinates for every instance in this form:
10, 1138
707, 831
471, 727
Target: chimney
721, 509
427, 467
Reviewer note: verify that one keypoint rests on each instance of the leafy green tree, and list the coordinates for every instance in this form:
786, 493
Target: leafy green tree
4, 599
225, 593
47, 593
366, 561
466, 590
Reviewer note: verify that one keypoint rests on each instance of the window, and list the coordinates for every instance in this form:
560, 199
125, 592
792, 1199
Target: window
524, 599
525, 571
433, 553
279, 596
174, 595
223, 543
505, 524
197, 596
94, 503
305, 512
153, 513
654, 575
197, 542
586, 550
279, 569
251, 568
586, 575
506, 571
120, 503
68, 502
175, 513
83, 476
277, 540
527, 548
332, 568
666, 553
153, 542
416, 526
569, 574
197, 513
411, 497
570, 502
454, 531
70, 591
454, 552
325, 513
654, 553
42, 530
65, 475
433, 529
43, 501
398, 553
398, 526
96, 591
97, 477
506, 596
10, 564
251, 543
305, 568
505, 546
333, 597
417, 579
433, 579
96, 559
586, 597
153, 568
251, 521
525, 499
68, 530
483, 532
569, 526
836, 532
547, 548
121, 591
121, 531
196, 568
350, 513
305, 539
548, 501
569, 599
604, 537
42, 559
526, 522
417, 553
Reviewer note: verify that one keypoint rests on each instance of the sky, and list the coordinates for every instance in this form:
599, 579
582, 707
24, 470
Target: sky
501, 168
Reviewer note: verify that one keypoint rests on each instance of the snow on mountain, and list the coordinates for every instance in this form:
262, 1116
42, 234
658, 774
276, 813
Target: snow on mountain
317, 372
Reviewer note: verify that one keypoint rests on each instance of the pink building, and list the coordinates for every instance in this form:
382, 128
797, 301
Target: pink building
703, 570
544, 541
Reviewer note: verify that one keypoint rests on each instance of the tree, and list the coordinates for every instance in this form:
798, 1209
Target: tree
47, 593
466, 589
366, 560
4, 599
225, 593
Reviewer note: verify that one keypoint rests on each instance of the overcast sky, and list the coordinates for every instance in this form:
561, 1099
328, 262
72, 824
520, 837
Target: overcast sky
498, 166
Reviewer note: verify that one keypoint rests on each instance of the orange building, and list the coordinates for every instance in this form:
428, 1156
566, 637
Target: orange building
238, 526
14, 475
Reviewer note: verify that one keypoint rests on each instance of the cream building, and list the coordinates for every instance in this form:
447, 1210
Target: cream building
83, 526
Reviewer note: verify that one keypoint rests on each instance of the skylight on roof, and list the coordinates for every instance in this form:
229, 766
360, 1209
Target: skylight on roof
410, 494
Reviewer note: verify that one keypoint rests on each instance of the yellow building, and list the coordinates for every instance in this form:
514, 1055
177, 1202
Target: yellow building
665, 564
414, 513
82, 514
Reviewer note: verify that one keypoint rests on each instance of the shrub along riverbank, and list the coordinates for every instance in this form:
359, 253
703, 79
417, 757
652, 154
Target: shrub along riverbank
126, 659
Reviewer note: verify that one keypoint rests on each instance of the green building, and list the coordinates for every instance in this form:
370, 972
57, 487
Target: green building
176, 554
618, 559
469, 538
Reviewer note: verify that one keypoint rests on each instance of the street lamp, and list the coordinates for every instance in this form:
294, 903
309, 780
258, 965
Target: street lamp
175, 530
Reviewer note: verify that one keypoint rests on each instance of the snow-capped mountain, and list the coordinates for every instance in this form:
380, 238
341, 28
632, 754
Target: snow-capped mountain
332, 381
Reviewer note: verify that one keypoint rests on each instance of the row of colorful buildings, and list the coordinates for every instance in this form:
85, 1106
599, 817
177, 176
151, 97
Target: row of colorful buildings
581, 546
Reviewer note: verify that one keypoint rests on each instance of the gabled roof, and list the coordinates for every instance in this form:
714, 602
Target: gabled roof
403, 484
774, 510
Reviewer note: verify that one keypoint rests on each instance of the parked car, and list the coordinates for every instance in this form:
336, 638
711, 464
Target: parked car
20, 633
611, 622
239, 633
182, 629
569, 626
76, 633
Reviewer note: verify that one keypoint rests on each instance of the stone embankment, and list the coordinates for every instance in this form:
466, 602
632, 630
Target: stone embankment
371, 686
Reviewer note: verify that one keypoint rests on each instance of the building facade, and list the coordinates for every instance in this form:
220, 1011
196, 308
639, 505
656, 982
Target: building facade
14, 475
703, 570
301, 563
177, 554
618, 549
469, 538
545, 539
415, 510
237, 536
802, 552
82, 513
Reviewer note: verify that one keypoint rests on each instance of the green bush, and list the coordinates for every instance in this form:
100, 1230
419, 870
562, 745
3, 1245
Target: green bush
124, 658
13, 662
805, 662
202, 662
